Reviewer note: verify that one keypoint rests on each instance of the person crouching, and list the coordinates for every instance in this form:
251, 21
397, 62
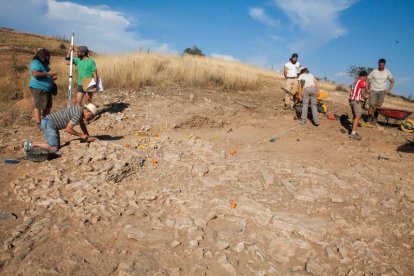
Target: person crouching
64, 119
310, 93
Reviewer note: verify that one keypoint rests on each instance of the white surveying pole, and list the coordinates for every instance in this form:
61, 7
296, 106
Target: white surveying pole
70, 71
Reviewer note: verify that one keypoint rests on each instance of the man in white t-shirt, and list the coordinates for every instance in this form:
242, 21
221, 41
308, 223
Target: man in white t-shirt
377, 89
290, 71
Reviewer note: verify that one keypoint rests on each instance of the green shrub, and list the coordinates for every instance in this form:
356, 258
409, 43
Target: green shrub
21, 68
341, 88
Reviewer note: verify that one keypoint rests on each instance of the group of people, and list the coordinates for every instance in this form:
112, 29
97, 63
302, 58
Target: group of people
372, 86
42, 86
302, 86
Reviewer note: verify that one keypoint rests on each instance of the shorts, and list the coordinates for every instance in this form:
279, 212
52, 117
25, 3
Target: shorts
51, 133
356, 107
42, 99
80, 90
376, 99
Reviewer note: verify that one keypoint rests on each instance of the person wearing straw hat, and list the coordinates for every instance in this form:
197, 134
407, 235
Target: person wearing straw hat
290, 71
86, 71
64, 119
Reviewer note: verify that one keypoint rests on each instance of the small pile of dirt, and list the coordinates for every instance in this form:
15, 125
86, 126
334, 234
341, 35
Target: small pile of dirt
200, 122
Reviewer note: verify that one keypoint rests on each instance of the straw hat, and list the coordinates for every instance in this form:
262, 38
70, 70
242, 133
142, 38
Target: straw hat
92, 108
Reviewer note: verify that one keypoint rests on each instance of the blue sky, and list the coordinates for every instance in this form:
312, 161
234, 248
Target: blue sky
328, 35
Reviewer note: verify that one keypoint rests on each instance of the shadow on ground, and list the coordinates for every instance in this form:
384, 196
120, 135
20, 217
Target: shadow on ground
111, 108
99, 137
108, 137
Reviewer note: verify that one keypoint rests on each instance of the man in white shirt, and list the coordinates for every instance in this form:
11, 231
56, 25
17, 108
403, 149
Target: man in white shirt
290, 71
377, 89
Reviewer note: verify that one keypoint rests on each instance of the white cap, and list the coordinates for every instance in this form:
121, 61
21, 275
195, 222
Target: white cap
92, 108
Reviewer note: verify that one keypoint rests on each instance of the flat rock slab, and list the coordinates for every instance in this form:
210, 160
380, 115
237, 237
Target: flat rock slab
311, 228
7, 216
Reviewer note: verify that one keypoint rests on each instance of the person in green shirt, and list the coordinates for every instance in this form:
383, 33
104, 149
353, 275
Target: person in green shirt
86, 71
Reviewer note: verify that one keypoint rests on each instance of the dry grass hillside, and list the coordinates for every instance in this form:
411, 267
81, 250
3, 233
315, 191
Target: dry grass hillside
27, 42
16, 52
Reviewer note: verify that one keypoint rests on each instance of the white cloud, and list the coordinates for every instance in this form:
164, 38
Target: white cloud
99, 27
317, 19
260, 15
341, 74
225, 57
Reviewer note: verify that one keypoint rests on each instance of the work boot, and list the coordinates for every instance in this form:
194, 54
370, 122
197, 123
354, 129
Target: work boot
27, 145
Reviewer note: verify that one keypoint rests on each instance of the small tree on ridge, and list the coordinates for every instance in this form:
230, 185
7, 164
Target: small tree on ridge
194, 51
353, 71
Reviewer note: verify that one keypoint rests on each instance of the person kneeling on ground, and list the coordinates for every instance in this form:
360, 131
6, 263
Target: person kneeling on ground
65, 119
310, 92
358, 90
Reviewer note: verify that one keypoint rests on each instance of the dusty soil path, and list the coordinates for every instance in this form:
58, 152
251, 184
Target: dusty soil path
186, 182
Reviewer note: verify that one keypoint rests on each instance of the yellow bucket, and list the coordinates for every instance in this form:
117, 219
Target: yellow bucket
322, 94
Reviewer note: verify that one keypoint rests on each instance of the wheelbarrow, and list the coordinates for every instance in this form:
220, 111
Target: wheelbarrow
322, 108
406, 125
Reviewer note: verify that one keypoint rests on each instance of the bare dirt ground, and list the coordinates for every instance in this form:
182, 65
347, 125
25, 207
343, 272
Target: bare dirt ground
186, 182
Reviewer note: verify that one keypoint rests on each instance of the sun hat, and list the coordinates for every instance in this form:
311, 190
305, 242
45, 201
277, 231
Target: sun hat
301, 69
83, 49
92, 108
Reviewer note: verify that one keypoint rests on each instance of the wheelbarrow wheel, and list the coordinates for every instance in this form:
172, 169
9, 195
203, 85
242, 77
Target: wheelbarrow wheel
322, 108
407, 126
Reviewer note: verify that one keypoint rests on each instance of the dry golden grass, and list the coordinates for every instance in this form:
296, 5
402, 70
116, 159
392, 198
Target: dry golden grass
141, 69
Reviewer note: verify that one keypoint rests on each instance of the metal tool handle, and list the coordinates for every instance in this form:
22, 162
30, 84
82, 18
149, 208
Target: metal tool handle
70, 71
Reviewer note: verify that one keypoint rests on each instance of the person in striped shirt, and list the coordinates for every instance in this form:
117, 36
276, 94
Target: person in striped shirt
356, 96
64, 119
